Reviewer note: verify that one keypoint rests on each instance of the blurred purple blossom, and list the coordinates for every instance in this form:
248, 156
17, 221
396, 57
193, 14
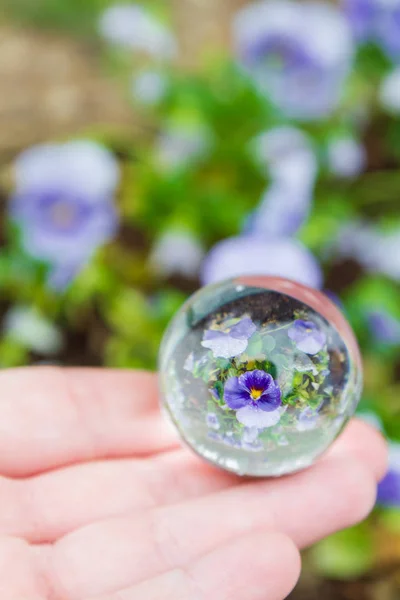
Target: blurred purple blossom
250, 255
303, 67
389, 93
177, 253
290, 160
389, 487
346, 157
384, 327
212, 421
376, 21
230, 339
307, 419
181, 145
307, 336
27, 326
133, 27
376, 250
149, 87
63, 204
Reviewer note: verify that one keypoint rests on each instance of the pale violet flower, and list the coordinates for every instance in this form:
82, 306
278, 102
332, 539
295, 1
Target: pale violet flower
384, 327
346, 157
377, 250
177, 253
289, 157
250, 255
389, 487
389, 93
230, 339
298, 53
63, 203
376, 21
149, 87
27, 326
133, 27
307, 419
181, 145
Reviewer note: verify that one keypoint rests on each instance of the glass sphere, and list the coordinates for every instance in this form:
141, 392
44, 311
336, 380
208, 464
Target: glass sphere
259, 374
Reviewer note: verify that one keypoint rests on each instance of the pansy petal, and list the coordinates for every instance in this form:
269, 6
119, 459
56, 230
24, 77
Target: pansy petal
235, 395
313, 343
243, 330
270, 400
256, 379
224, 346
251, 416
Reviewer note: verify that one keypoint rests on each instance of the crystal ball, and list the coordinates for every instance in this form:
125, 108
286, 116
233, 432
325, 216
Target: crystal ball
259, 374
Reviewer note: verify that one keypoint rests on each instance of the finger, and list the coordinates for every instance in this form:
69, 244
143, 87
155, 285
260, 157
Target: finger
44, 508
309, 505
258, 566
19, 576
366, 443
51, 417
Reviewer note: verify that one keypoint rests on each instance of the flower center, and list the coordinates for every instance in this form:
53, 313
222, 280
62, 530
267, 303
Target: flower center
63, 214
255, 394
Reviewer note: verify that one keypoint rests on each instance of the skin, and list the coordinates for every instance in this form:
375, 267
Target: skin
100, 502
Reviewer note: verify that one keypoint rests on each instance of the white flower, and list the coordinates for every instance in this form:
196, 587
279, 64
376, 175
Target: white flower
177, 252
133, 27
299, 53
149, 87
346, 157
28, 327
389, 93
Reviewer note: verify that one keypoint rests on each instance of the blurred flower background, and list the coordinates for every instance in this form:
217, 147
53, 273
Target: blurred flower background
149, 148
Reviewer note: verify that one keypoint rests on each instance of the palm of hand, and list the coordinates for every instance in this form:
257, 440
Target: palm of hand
98, 502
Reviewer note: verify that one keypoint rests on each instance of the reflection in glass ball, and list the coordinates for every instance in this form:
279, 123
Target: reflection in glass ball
259, 374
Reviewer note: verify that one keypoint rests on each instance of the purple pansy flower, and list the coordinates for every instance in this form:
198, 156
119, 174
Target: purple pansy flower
307, 336
384, 327
389, 487
231, 340
255, 397
63, 204
376, 21
301, 69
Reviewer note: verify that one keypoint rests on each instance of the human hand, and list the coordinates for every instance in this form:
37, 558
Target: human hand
99, 502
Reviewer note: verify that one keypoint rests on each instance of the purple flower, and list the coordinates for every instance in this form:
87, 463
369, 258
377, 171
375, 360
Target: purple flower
252, 255
389, 487
346, 157
384, 327
133, 27
63, 204
376, 21
307, 336
307, 419
255, 397
301, 68
212, 421
231, 339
